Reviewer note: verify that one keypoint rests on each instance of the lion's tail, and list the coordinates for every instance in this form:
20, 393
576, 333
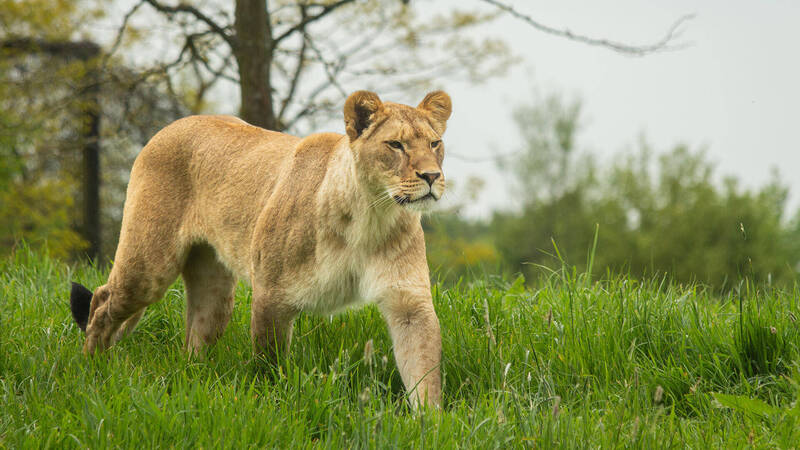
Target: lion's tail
80, 299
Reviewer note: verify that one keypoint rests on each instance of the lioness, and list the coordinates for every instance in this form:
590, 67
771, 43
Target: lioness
316, 224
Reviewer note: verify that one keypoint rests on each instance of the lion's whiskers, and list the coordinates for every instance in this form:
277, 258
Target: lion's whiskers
382, 200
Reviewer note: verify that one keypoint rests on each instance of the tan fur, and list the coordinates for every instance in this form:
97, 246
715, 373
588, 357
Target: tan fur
315, 224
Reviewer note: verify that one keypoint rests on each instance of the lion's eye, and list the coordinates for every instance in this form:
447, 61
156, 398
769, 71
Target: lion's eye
435, 144
397, 145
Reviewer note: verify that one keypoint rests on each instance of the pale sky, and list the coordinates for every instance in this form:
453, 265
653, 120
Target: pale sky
734, 91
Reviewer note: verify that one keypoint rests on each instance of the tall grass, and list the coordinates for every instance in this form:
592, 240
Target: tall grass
572, 362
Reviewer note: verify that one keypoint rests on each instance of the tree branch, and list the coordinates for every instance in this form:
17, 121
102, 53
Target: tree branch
198, 56
632, 50
184, 8
332, 69
301, 59
310, 106
327, 9
121, 32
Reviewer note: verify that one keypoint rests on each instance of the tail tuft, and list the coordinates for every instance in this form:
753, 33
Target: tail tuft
80, 299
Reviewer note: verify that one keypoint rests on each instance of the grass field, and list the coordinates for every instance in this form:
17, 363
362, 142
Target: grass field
567, 363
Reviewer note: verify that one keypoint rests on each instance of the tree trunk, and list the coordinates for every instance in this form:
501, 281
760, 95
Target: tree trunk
91, 173
254, 55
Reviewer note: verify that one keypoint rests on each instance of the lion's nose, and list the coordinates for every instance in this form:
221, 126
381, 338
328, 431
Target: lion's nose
430, 177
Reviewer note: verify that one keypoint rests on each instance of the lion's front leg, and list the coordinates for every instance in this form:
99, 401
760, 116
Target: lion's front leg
414, 328
271, 323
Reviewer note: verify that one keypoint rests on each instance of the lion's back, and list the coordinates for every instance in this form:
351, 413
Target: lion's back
198, 139
206, 177
199, 151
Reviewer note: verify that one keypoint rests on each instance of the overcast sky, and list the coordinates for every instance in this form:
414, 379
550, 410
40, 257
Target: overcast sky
734, 91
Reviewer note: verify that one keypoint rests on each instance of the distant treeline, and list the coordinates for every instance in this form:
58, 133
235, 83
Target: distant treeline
667, 215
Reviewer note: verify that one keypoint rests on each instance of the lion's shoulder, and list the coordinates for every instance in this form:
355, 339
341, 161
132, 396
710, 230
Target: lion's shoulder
319, 143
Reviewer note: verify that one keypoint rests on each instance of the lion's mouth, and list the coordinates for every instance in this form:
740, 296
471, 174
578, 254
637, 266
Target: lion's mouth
404, 200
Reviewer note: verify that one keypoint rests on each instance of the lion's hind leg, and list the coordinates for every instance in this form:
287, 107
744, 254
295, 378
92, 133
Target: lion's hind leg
209, 297
80, 301
142, 272
127, 327
117, 306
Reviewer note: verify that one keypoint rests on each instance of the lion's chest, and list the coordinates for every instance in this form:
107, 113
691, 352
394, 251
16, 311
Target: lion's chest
330, 285
346, 267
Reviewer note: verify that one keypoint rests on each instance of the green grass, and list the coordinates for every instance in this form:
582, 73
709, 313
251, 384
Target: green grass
568, 363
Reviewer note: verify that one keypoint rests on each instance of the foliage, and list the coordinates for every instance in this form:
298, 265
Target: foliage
566, 362
45, 94
39, 214
52, 19
667, 216
457, 248
36, 185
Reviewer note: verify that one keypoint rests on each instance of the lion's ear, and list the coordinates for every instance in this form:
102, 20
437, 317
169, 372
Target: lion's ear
438, 104
358, 112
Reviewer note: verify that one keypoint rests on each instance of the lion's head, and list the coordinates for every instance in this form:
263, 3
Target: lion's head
398, 149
